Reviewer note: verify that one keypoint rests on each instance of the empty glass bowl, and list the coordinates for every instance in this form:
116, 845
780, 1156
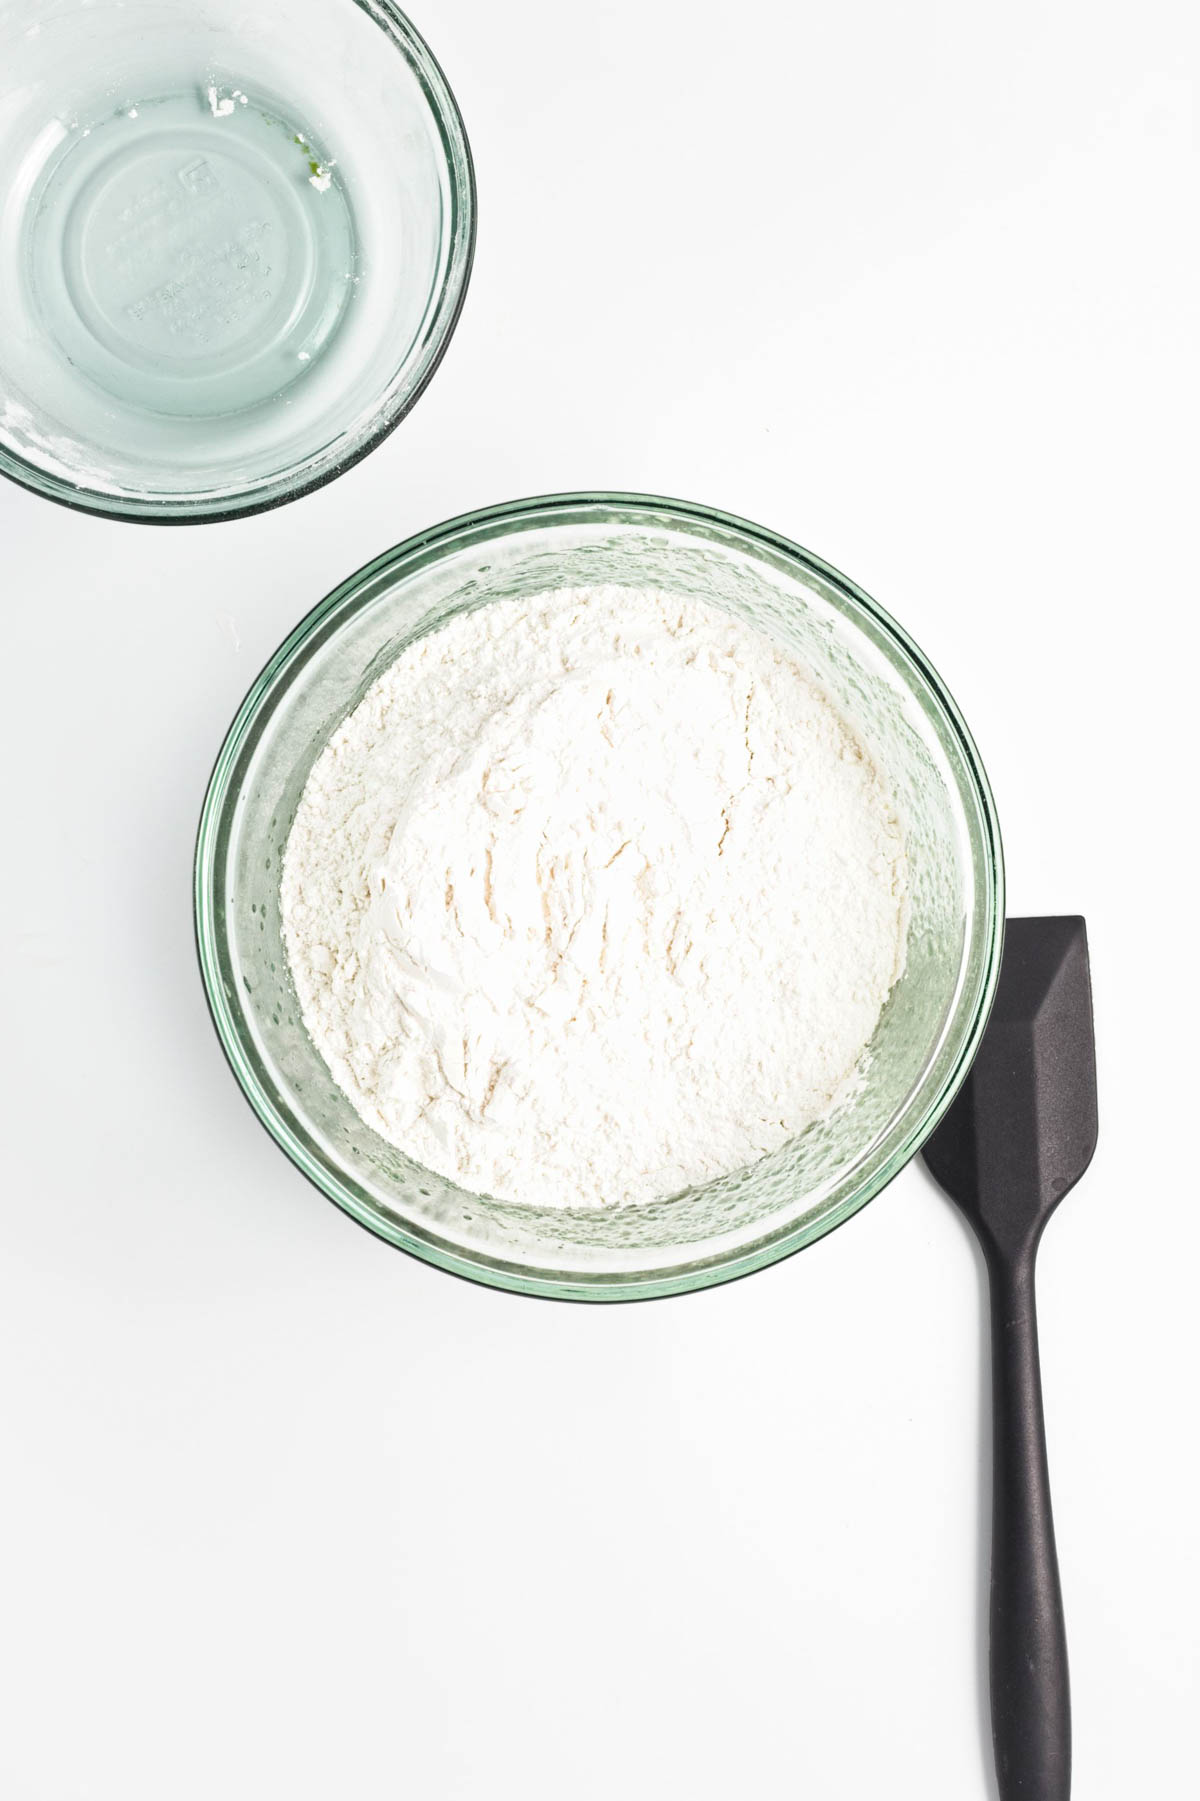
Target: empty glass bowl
234, 242
929, 1029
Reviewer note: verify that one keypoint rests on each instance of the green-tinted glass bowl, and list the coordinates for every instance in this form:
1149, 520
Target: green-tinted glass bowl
930, 1027
234, 243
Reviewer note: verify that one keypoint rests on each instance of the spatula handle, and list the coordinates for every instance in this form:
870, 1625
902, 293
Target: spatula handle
1031, 1702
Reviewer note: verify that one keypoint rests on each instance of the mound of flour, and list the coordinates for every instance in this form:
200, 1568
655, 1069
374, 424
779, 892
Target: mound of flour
594, 896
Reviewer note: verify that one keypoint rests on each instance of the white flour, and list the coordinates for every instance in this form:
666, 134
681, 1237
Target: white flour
593, 897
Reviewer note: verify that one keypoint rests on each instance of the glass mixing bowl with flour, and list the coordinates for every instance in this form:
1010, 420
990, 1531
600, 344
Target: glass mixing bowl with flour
234, 242
933, 834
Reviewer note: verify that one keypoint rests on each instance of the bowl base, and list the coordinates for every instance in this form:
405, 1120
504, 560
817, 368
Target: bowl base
192, 255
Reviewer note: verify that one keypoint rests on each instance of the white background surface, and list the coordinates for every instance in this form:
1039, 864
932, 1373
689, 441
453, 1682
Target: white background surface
286, 1514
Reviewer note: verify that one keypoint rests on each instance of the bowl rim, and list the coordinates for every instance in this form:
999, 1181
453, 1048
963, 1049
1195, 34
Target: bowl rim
463, 231
495, 1272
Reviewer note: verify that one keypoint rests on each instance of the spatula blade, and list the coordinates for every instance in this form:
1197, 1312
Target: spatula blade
1022, 1128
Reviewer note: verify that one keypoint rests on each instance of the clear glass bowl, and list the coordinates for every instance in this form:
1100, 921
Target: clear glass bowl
234, 242
929, 1029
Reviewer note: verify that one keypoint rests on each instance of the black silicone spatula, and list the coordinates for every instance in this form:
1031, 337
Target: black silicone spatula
1020, 1133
